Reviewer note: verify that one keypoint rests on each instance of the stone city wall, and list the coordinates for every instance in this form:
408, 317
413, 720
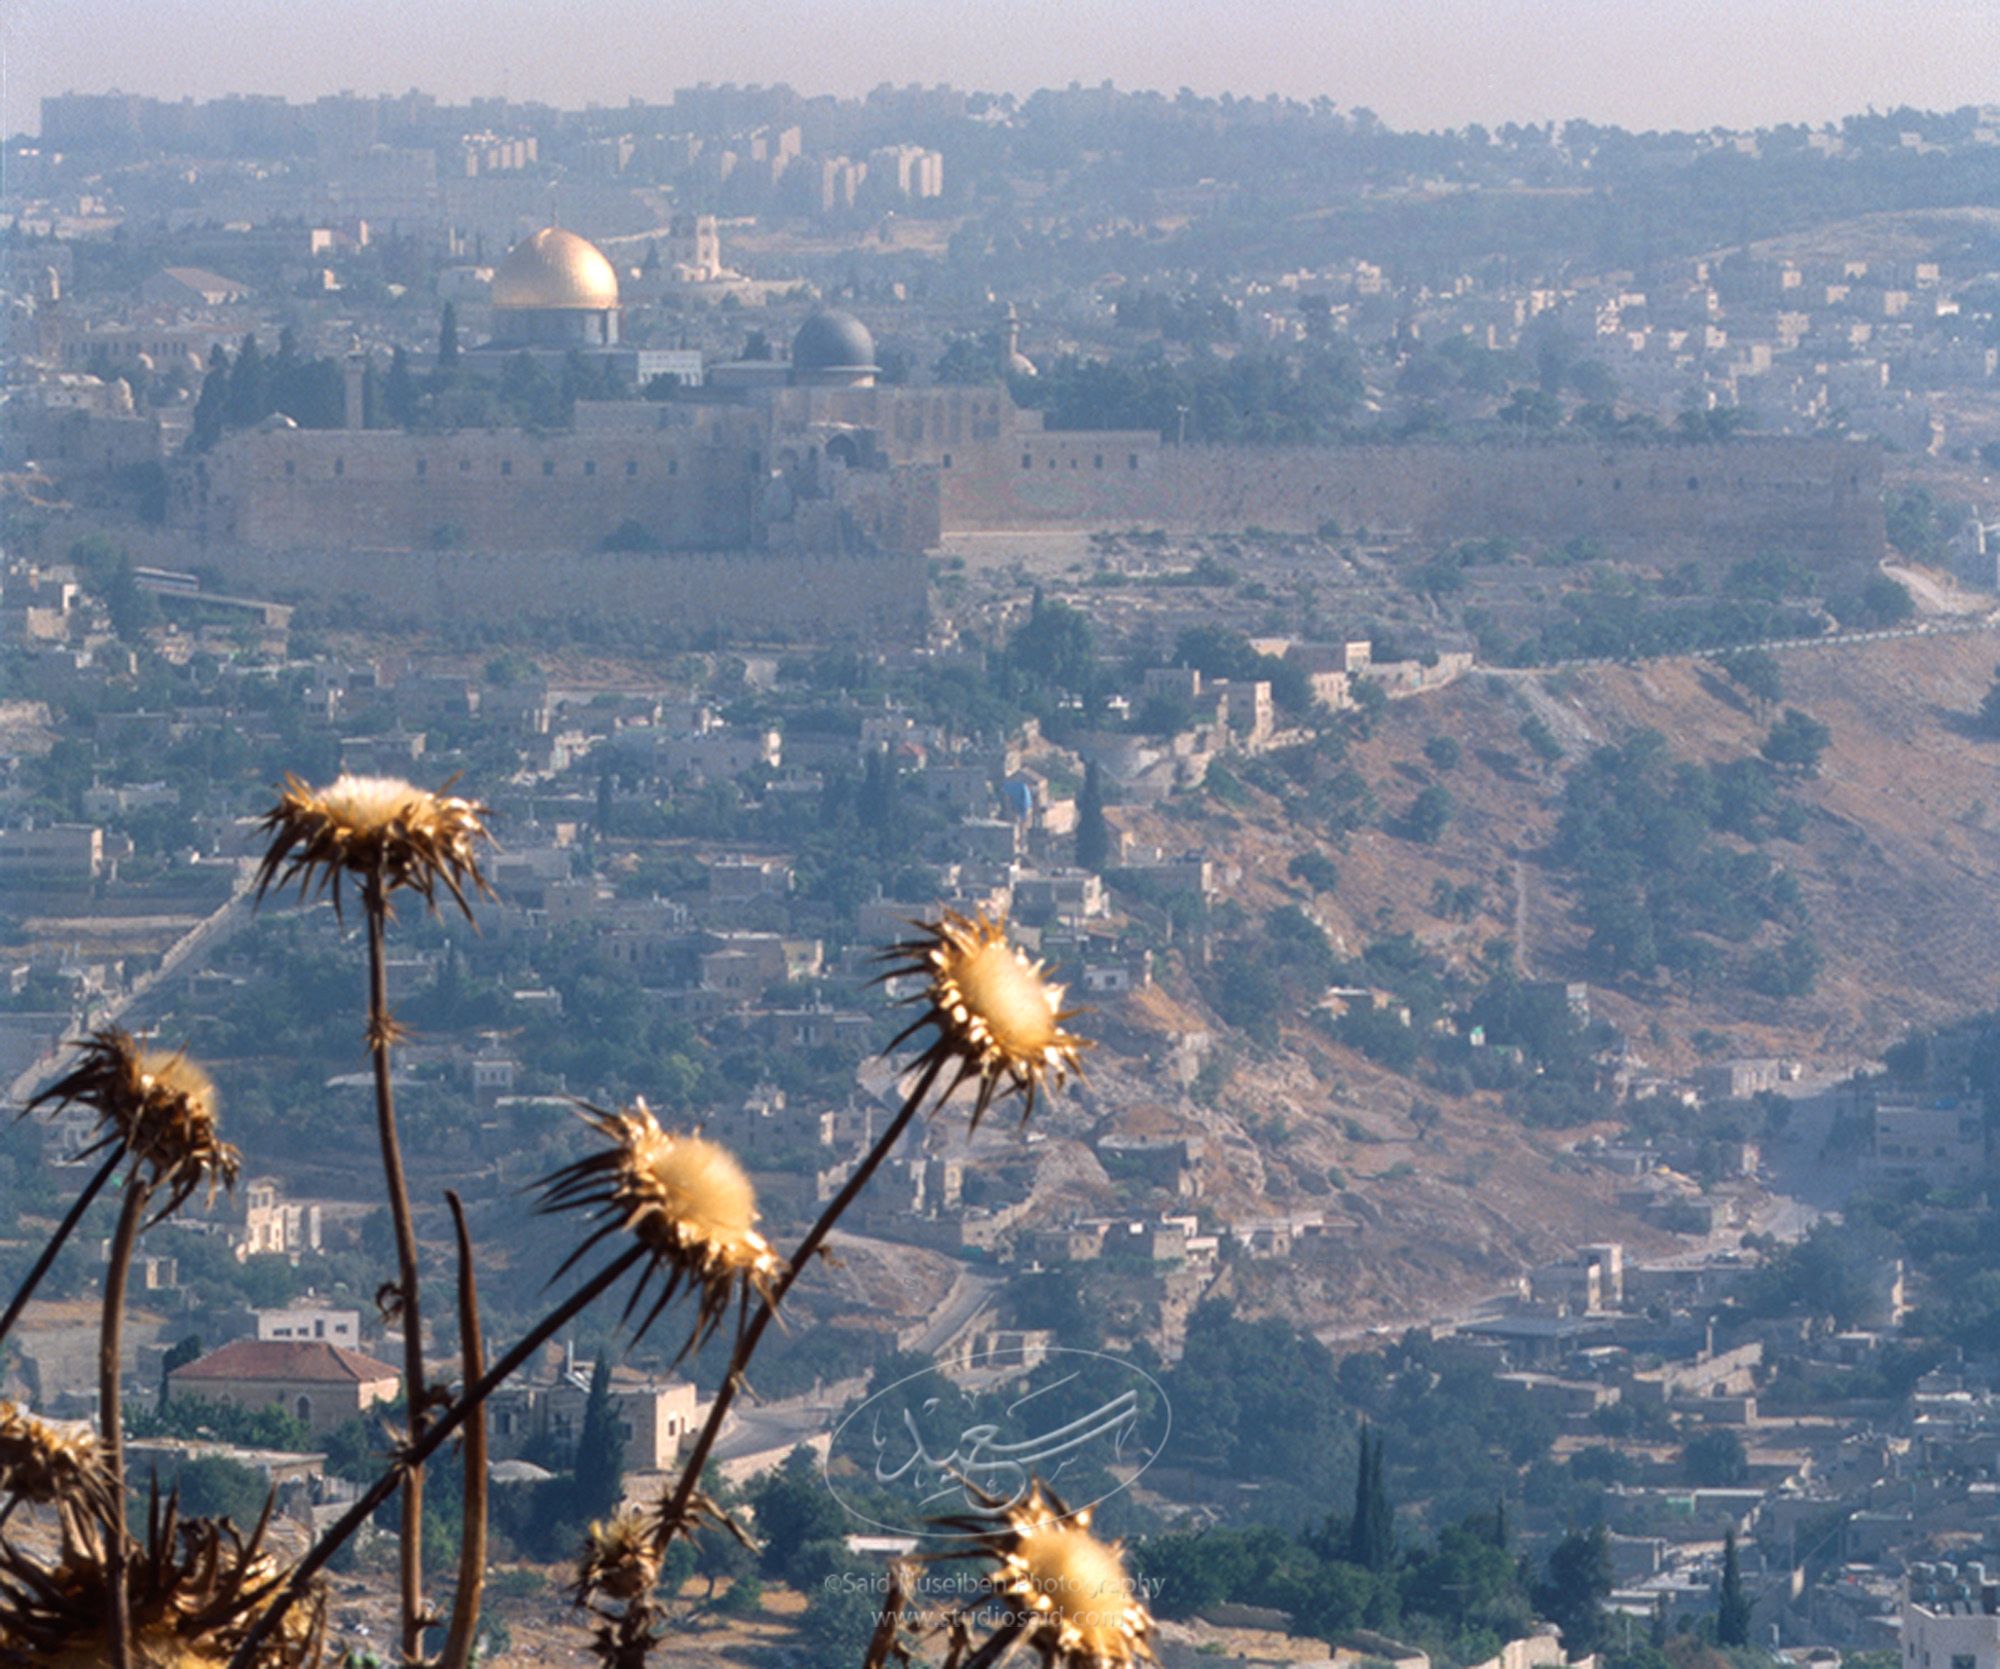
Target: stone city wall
504, 490
1820, 500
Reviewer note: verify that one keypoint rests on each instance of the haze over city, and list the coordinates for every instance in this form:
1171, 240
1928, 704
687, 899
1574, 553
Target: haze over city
1418, 63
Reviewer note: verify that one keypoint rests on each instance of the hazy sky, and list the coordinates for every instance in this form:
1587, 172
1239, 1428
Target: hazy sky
1419, 63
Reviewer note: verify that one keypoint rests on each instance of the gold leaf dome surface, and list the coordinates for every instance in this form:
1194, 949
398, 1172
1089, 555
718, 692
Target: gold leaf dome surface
555, 268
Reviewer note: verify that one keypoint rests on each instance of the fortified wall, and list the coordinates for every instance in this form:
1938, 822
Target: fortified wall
1818, 500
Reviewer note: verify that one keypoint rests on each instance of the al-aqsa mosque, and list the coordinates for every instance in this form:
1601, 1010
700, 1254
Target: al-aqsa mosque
555, 290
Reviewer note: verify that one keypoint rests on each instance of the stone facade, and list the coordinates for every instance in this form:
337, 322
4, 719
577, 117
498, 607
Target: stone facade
843, 480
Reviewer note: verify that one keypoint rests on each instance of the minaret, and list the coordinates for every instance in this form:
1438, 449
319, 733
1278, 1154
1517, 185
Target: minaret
355, 406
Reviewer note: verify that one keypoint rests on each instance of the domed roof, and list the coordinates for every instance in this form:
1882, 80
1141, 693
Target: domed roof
555, 268
830, 341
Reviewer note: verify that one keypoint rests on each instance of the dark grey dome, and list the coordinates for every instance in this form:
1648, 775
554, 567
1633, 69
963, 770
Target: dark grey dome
833, 342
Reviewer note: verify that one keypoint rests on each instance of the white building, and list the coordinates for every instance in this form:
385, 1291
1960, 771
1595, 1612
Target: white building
312, 1321
1951, 1618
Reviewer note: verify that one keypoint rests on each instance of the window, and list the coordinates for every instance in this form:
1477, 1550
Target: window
339, 466
673, 466
423, 466
548, 466
506, 466
1131, 460
464, 466
1097, 460
631, 466
305, 1410
589, 466
1694, 483
290, 467
1027, 461
947, 460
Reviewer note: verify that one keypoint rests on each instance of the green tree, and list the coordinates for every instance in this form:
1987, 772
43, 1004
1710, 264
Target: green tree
1054, 645
1429, 815
1443, 752
1093, 834
1987, 722
1756, 673
1371, 1531
1714, 1460
1796, 742
178, 1356
399, 391
1575, 1583
600, 1449
794, 1508
1732, 1610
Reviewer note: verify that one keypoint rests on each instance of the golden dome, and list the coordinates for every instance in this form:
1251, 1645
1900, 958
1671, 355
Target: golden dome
555, 268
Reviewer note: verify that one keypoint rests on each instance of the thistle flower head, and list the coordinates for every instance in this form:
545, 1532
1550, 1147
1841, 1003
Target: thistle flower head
374, 829
157, 1104
194, 1587
1072, 1601
619, 1560
684, 1198
50, 1466
994, 1012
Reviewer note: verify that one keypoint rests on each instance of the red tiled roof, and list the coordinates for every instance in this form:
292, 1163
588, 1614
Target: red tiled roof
309, 1361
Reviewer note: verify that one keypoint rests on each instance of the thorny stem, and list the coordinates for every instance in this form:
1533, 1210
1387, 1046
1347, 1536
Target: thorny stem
91, 1190
432, 1440
375, 903
472, 1543
110, 1414
674, 1513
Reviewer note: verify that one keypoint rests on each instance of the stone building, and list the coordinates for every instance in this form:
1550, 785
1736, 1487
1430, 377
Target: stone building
323, 1385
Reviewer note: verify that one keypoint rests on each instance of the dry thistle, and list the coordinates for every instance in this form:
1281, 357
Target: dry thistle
50, 1466
1069, 1598
995, 1014
619, 1560
194, 1585
375, 829
686, 1201
157, 1104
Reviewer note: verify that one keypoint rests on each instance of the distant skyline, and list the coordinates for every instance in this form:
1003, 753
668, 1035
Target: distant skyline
1416, 63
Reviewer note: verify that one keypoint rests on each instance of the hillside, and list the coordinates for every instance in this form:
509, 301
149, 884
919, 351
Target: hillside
1896, 862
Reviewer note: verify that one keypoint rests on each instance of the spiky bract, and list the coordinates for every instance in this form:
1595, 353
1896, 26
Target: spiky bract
684, 1198
619, 1560
195, 1585
51, 1466
157, 1104
996, 1016
1064, 1594
374, 827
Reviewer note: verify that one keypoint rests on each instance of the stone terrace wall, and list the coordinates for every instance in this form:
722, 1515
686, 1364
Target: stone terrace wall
736, 594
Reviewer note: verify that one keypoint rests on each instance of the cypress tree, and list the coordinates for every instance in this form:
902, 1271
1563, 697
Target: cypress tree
1093, 835
448, 338
600, 1450
211, 408
1371, 1532
399, 393
1732, 1611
